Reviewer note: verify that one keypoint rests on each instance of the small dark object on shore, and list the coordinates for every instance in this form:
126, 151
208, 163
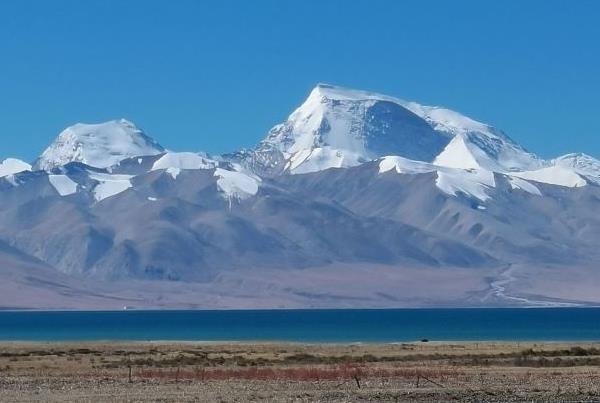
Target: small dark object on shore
424, 340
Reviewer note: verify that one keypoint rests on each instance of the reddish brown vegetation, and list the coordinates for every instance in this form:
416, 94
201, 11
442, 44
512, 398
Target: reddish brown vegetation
342, 372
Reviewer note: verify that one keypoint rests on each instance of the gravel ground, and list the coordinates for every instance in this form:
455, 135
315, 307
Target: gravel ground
446, 372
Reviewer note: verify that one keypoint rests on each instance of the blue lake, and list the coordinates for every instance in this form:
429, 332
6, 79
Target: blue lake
567, 324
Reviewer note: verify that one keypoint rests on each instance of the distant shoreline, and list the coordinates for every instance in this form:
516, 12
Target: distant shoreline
142, 343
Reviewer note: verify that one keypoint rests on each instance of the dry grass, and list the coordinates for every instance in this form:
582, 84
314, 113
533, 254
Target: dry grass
297, 372
300, 374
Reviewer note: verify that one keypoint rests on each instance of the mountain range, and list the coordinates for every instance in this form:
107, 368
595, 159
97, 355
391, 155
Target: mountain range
356, 200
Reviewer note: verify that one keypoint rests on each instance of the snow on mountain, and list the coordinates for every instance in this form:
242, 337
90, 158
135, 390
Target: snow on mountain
236, 185
470, 151
319, 134
470, 182
553, 175
565, 171
11, 166
99, 145
338, 127
64, 185
469, 178
582, 164
460, 153
490, 147
334, 128
109, 185
404, 166
521, 184
320, 158
174, 163
446, 120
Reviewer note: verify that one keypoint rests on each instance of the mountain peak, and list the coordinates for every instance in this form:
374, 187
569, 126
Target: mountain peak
336, 92
440, 118
340, 127
462, 154
100, 145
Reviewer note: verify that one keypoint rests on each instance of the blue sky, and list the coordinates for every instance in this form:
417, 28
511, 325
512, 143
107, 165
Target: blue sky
215, 76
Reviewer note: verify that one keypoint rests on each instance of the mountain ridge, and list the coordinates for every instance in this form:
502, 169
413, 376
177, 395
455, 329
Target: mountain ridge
352, 181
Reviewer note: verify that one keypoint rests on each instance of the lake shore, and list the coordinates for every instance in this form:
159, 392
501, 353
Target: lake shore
193, 371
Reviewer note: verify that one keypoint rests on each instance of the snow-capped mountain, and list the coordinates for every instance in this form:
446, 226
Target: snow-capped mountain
357, 199
99, 145
337, 127
340, 128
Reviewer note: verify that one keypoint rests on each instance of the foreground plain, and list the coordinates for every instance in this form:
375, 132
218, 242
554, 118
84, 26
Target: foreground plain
240, 372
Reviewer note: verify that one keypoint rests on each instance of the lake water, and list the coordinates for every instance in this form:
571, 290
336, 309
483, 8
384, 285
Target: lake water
307, 325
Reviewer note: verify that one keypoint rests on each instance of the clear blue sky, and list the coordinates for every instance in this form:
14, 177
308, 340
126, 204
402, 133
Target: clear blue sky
216, 75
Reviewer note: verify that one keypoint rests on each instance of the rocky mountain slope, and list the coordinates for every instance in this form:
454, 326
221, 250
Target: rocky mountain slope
357, 199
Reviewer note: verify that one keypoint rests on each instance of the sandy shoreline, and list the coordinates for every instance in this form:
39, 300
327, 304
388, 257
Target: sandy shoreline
242, 371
